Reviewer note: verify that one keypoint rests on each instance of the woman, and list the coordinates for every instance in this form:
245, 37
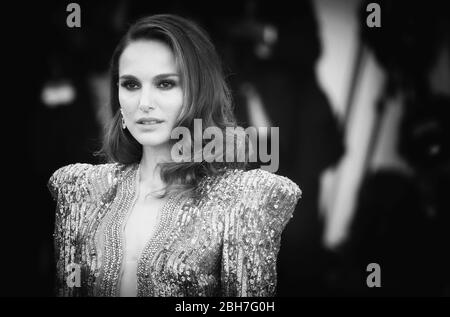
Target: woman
147, 225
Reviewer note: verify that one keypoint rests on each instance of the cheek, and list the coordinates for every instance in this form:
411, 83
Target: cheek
172, 104
128, 101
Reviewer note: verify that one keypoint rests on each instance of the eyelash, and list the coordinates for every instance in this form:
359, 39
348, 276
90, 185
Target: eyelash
126, 84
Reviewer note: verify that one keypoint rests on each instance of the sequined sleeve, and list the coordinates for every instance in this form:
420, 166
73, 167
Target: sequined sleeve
252, 233
76, 188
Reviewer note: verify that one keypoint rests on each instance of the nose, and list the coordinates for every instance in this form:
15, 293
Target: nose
146, 100
146, 108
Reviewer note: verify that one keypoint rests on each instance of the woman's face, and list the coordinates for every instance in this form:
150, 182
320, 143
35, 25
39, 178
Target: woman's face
150, 92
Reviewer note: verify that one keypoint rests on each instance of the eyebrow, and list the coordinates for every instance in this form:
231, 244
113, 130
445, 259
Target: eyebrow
157, 77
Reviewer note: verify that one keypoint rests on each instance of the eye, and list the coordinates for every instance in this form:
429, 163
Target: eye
130, 85
166, 84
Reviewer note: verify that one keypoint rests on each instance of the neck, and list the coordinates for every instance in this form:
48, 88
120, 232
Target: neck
149, 169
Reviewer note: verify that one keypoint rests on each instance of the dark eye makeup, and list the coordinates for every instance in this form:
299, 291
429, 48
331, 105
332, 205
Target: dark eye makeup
164, 84
130, 84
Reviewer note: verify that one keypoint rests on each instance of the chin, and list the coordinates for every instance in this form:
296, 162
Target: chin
152, 140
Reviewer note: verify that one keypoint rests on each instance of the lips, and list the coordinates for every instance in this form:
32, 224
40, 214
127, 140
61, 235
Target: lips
149, 121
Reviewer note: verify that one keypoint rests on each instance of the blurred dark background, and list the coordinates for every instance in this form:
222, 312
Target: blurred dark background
364, 130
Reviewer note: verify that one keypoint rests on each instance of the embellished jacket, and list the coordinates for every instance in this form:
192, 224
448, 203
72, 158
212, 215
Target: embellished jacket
224, 242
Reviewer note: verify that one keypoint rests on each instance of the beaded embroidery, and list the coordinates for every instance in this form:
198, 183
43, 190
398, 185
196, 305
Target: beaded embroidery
225, 243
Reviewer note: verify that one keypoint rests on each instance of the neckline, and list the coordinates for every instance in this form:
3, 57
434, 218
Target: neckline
155, 240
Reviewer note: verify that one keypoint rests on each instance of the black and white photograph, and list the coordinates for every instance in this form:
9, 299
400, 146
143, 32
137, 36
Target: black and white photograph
227, 149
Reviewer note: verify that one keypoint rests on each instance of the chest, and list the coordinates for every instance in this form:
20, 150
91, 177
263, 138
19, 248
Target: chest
140, 225
144, 243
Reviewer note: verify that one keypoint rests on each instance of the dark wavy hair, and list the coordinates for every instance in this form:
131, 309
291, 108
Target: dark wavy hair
206, 96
